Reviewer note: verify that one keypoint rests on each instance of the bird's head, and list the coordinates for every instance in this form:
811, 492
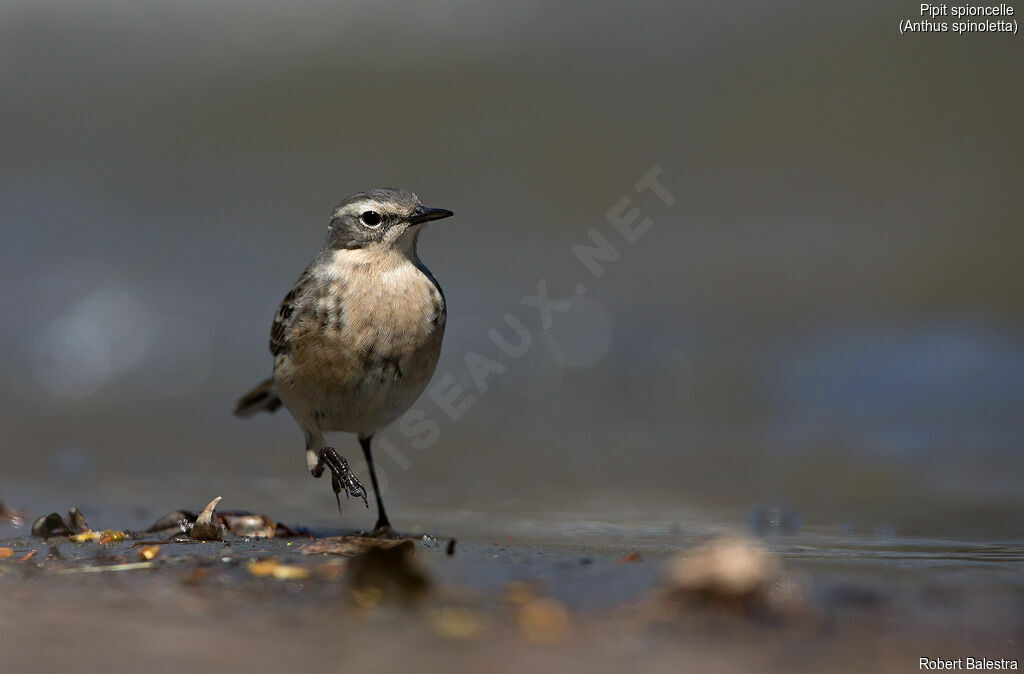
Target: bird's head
383, 219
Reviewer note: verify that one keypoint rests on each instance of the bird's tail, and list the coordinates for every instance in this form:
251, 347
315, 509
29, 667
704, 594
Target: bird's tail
263, 398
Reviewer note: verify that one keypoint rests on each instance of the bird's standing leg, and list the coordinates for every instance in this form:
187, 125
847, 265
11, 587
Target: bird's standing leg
383, 526
342, 477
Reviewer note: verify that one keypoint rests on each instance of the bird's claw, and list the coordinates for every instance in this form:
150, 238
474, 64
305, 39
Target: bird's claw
342, 477
384, 531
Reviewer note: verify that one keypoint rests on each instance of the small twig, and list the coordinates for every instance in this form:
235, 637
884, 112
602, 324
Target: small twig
115, 567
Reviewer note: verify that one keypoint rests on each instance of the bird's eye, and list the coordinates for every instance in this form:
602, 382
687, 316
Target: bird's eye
370, 218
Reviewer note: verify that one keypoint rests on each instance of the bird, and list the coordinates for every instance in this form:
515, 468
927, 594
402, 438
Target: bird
357, 338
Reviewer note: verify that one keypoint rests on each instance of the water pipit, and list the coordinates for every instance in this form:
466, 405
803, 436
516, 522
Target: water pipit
357, 338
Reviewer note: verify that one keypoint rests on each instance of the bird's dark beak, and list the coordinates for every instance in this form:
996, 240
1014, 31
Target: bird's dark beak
423, 214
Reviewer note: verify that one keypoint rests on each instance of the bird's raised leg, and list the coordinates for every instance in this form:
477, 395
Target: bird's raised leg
342, 477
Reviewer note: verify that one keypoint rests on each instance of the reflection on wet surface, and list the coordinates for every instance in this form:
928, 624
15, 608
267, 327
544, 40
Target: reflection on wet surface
507, 546
594, 590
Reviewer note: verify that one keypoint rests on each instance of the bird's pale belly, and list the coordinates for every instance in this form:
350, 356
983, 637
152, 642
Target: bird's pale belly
362, 374
334, 395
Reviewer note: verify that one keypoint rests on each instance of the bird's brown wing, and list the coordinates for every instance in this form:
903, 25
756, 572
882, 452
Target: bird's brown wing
281, 329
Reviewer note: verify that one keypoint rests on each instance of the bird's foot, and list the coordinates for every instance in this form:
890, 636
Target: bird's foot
384, 530
381, 530
342, 477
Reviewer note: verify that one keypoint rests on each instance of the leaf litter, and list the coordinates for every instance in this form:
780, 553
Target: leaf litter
371, 572
11, 516
399, 578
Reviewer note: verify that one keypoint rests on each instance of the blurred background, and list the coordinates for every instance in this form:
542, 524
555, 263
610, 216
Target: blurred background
826, 323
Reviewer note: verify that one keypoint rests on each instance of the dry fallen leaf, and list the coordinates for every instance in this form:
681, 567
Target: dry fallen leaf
132, 566
631, 557
333, 569
453, 622
55, 525
77, 520
148, 552
273, 569
112, 536
12, 516
50, 525
6, 552
108, 536
724, 568
349, 546
543, 620
28, 555
252, 526
206, 527
520, 591
196, 576
387, 573
237, 522
85, 537
177, 522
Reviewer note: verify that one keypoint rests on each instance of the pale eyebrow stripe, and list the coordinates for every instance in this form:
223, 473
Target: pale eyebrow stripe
360, 206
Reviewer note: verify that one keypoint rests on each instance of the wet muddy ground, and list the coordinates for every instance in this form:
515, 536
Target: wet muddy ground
595, 600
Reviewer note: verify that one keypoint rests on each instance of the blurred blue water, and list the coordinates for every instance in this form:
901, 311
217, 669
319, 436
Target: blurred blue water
903, 390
